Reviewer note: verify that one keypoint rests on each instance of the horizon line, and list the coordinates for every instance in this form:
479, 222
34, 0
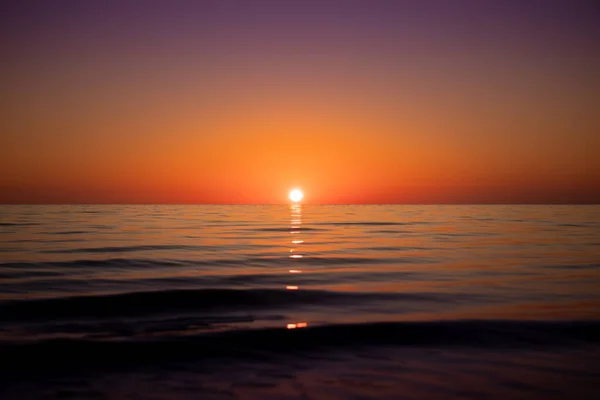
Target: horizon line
300, 203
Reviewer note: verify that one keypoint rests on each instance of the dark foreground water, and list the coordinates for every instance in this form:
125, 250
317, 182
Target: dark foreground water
306, 302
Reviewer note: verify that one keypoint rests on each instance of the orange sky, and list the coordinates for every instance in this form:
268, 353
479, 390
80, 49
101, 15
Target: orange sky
352, 107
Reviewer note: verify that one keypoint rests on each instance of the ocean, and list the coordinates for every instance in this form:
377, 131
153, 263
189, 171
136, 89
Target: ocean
300, 301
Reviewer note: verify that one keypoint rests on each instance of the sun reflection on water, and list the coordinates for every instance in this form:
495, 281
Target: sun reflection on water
297, 325
295, 228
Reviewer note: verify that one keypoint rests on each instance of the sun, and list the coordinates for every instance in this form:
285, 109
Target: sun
296, 195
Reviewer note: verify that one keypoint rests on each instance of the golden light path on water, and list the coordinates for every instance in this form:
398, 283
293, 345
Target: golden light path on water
295, 228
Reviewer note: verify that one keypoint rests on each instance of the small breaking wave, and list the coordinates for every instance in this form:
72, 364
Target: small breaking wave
279, 342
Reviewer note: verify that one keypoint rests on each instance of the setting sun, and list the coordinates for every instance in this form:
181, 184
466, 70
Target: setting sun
296, 195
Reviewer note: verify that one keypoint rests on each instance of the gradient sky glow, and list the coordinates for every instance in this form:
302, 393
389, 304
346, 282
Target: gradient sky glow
353, 101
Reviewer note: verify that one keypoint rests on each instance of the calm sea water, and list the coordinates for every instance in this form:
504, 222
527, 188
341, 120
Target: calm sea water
149, 285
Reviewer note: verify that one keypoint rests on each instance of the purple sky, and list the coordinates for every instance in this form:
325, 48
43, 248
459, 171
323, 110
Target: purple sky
511, 86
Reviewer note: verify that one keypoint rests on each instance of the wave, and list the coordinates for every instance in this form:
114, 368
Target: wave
299, 228
46, 284
193, 300
83, 263
69, 233
19, 224
48, 278
573, 266
236, 262
277, 342
127, 249
371, 223
393, 231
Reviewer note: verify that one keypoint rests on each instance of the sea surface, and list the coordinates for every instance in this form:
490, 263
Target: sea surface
300, 301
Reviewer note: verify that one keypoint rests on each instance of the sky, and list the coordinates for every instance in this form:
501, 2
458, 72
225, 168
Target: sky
371, 101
